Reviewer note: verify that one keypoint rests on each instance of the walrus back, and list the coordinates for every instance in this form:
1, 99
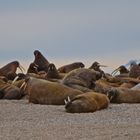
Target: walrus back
88, 102
46, 92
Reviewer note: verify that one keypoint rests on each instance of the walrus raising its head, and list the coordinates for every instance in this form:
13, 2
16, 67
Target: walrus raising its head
52, 72
32, 68
9, 70
41, 61
82, 79
88, 102
70, 67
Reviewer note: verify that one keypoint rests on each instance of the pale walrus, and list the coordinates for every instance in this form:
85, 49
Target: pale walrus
82, 79
45, 92
9, 70
70, 67
88, 102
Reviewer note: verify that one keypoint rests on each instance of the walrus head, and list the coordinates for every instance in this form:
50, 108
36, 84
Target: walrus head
41, 61
79, 64
33, 68
73, 106
112, 94
96, 66
122, 69
9, 70
52, 72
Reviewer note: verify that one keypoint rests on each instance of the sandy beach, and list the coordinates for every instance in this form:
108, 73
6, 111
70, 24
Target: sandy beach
20, 120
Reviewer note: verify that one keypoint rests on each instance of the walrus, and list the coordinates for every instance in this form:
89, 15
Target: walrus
88, 102
45, 92
52, 72
9, 70
9, 91
32, 68
124, 95
82, 79
96, 66
134, 71
122, 70
41, 61
70, 67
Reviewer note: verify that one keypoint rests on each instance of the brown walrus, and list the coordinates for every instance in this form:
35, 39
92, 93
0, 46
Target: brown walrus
45, 92
88, 102
70, 67
41, 61
52, 72
9, 70
82, 79
124, 95
122, 69
9, 91
134, 71
32, 68
96, 66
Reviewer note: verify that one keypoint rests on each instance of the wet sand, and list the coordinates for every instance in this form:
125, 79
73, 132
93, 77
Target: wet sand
20, 120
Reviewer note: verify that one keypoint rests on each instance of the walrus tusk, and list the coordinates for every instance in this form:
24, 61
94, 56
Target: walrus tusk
110, 98
115, 71
15, 79
22, 85
25, 87
65, 102
68, 99
21, 68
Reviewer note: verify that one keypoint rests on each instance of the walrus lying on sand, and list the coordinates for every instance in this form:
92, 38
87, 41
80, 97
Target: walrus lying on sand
45, 92
70, 67
124, 95
88, 102
82, 79
9, 91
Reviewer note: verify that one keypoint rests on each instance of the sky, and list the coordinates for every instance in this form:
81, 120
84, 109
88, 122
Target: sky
107, 31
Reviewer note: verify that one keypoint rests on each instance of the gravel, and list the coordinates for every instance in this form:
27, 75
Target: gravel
20, 120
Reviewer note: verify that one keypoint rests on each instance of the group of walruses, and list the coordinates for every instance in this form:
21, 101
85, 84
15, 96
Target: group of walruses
80, 89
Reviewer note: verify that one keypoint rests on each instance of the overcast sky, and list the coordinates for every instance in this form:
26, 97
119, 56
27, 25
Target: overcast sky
65, 31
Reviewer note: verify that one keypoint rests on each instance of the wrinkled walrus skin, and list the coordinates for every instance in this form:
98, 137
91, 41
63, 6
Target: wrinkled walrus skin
88, 102
82, 79
45, 92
